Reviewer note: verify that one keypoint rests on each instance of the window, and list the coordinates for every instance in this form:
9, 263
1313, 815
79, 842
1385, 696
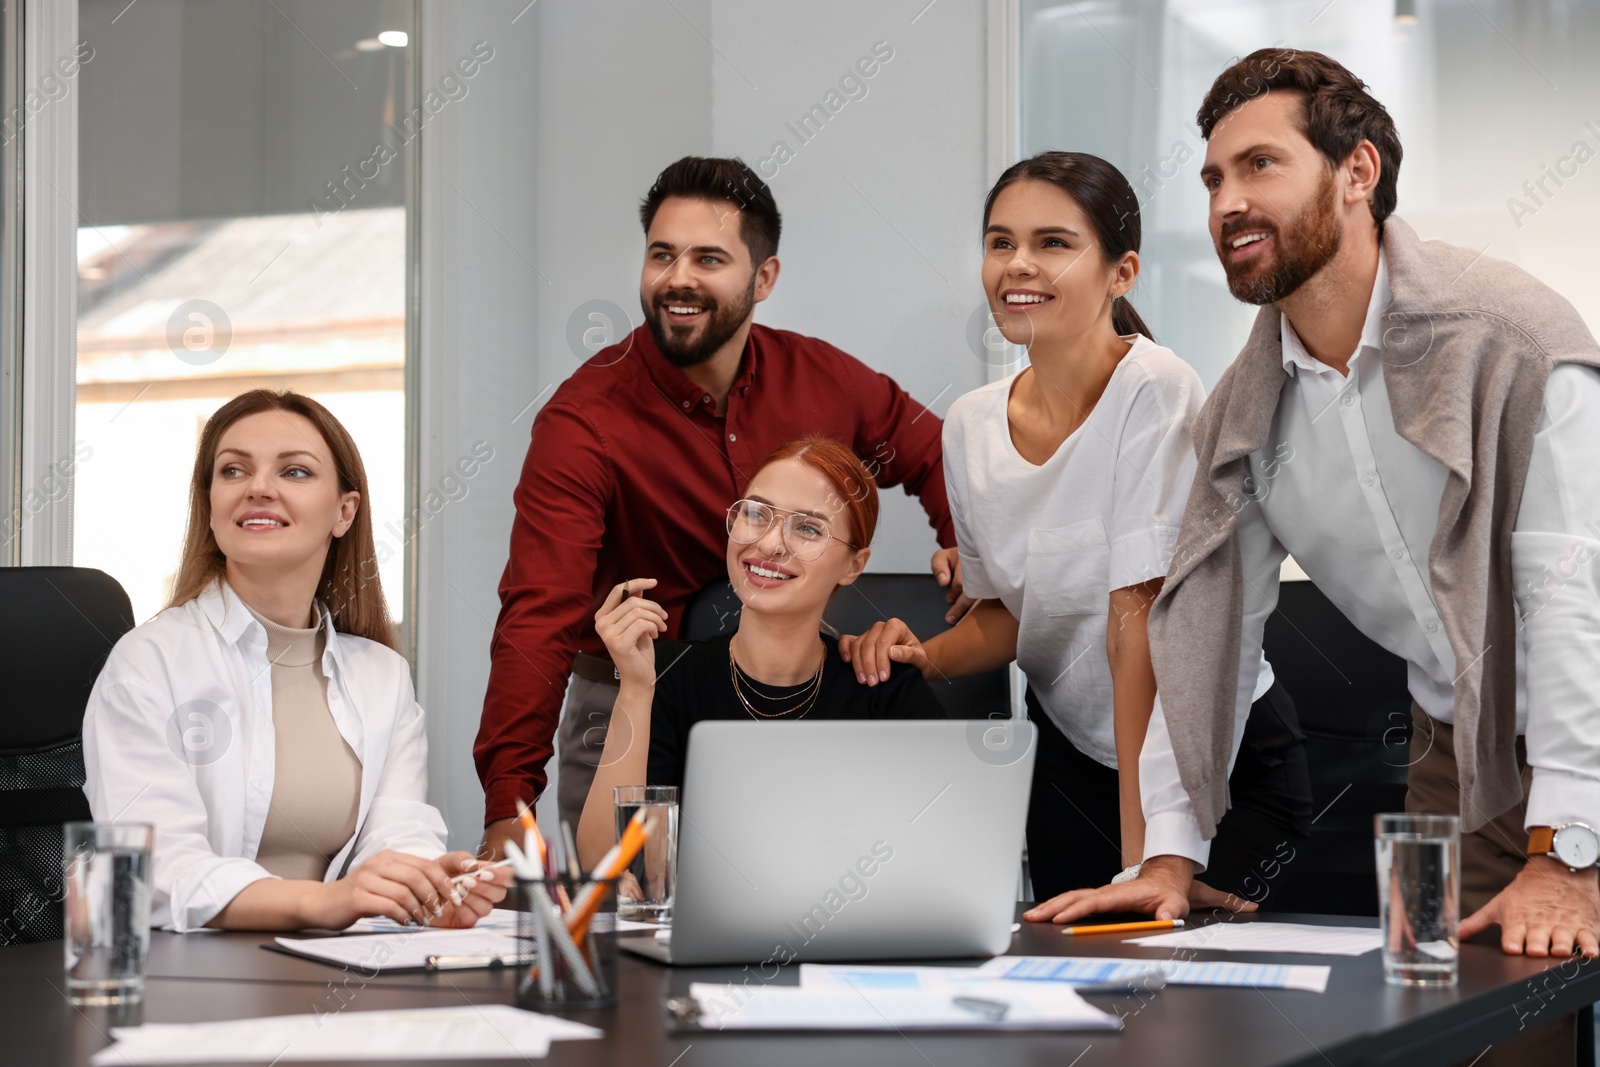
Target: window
1493, 99
243, 223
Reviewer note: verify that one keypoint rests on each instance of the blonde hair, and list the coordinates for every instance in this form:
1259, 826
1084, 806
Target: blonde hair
349, 586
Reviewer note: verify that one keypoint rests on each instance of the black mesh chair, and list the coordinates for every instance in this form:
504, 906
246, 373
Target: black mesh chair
57, 625
1355, 711
915, 598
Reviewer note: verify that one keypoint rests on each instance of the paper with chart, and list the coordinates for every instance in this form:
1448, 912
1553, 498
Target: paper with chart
1093, 970
1270, 937
491, 1031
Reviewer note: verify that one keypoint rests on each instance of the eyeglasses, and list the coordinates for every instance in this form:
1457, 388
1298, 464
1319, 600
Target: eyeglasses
805, 536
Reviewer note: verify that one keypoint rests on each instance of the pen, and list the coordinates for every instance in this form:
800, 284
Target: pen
1123, 928
463, 963
478, 871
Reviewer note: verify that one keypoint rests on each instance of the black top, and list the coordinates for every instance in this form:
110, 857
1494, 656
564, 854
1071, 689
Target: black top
696, 687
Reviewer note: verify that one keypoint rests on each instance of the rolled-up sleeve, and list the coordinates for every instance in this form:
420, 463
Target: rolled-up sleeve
134, 776
401, 817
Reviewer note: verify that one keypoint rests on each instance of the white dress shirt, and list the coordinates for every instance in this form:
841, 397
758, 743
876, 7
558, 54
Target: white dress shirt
1357, 506
179, 734
1052, 540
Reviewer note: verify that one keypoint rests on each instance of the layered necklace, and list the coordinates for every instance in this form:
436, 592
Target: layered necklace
743, 683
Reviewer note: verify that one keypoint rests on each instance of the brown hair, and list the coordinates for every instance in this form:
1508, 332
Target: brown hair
1336, 113
853, 485
349, 585
713, 178
1104, 195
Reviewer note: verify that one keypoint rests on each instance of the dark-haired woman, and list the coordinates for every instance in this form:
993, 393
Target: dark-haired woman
1067, 482
264, 723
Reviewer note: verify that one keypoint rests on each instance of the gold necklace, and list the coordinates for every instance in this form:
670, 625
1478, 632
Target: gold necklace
742, 681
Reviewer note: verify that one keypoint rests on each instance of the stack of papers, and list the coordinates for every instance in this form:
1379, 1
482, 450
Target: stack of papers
989, 1004
1270, 937
493, 1031
1092, 970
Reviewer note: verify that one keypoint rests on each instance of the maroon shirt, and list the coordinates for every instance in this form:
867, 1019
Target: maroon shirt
629, 475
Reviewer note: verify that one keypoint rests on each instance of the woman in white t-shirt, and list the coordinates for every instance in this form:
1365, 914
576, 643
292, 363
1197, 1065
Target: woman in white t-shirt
264, 723
1067, 483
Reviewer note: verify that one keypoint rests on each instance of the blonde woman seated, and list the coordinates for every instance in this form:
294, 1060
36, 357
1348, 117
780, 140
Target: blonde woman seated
264, 723
801, 533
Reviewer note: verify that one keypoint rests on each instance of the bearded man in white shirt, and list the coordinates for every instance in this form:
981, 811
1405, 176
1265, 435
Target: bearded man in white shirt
1414, 423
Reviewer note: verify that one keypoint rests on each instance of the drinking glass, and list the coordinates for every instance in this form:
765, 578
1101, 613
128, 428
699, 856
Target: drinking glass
645, 888
106, 873
1419, 897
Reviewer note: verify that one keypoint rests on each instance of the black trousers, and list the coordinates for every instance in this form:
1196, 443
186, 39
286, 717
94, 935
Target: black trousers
1075, 829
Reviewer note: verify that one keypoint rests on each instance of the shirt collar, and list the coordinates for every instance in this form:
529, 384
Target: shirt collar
675, 385
233, 620
1295, 355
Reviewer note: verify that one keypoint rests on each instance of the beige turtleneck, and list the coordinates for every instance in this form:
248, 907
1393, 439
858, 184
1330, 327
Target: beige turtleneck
316, 790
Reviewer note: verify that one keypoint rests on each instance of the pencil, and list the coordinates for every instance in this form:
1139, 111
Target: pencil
1123, 928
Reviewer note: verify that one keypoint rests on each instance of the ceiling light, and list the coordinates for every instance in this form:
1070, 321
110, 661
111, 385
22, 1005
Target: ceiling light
394, 38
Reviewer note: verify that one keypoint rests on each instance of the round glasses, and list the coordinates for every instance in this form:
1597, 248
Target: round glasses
805, 536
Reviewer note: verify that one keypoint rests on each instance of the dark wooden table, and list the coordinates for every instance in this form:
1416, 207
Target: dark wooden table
1359, 1020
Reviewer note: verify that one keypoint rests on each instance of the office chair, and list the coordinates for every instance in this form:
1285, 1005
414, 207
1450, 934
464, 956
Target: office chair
57, 625
1355, 711
915, 598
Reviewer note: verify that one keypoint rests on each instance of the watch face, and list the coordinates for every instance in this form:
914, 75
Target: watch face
1577, 846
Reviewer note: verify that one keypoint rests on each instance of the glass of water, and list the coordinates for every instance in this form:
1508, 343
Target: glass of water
644, 891
1419, 897
106, 871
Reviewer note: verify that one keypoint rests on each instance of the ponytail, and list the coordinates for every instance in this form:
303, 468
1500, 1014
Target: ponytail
1125, 320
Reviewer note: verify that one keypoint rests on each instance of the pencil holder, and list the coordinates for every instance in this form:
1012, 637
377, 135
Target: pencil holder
570, 924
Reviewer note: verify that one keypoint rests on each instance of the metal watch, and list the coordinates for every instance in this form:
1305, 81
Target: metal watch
1574, 843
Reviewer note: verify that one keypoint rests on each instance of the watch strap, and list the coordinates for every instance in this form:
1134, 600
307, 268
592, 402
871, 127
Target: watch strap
1541, 840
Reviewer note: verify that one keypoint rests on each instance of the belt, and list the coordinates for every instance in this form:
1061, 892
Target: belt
595, 669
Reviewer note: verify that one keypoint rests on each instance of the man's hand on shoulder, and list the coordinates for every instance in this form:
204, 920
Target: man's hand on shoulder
1547, 910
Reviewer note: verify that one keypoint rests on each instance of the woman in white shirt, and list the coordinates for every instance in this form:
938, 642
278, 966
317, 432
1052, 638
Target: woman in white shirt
1067, 482
264, 723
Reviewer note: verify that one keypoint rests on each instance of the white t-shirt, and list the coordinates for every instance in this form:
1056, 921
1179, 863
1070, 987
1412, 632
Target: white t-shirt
1052, 541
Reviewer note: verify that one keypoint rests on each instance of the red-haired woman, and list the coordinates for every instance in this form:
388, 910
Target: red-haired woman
264, 723
801, 532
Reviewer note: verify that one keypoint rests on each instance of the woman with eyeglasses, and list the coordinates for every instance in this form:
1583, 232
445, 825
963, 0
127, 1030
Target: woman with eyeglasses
800, 534
1067, 482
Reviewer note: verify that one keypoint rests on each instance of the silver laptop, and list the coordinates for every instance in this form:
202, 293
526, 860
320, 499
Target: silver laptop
807, 841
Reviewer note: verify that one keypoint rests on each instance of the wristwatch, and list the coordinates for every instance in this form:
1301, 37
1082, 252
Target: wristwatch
1573, 843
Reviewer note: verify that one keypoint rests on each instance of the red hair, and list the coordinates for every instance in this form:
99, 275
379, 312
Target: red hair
854, 490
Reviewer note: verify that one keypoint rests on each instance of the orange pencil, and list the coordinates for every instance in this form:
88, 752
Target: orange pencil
1123, 928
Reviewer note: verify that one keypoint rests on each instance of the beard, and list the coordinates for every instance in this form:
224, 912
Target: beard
678, 343
1305, 246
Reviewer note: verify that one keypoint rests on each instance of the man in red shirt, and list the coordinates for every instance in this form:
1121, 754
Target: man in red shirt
637, 456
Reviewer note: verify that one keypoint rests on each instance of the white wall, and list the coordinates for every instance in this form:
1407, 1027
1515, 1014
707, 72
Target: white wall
881, 242
530, 193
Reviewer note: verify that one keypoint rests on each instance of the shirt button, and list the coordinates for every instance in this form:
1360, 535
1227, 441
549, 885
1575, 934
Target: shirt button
705, 399
1368, 480
1348, 400
1398, 553
733, 437
1431, 625
685, 403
